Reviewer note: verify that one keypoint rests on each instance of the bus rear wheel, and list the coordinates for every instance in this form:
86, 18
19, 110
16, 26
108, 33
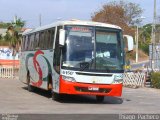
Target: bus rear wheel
100, 98
29, 87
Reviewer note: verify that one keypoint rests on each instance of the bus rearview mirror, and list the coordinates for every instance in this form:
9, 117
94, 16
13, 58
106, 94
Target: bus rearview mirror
128, 41
62, 37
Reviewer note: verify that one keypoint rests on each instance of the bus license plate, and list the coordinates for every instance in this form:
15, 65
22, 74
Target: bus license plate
93, 88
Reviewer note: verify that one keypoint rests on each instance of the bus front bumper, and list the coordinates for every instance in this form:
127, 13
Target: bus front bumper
75, 88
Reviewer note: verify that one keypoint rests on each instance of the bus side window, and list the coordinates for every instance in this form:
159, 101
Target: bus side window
34, 41
37, 41
56, 60
31, 42
24, 40
52, 33
45, 40
26, 43
48, 38
23, 43
41, 39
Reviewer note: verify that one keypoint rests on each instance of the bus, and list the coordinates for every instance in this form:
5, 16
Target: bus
74, 57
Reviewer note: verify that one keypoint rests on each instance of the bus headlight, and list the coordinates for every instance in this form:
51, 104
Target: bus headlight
67, 78
118, 79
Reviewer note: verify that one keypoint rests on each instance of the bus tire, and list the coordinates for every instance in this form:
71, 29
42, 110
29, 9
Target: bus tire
29, 87
100, 98
55, 96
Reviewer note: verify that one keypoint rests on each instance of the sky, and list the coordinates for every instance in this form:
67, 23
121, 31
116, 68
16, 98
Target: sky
53, 10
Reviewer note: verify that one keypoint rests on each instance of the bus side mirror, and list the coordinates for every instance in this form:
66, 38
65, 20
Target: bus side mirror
62, 37
129, 44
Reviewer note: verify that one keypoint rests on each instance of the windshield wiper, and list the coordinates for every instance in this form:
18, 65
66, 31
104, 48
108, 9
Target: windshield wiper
85, 65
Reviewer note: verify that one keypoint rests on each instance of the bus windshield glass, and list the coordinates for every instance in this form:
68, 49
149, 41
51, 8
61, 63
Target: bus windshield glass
93, 49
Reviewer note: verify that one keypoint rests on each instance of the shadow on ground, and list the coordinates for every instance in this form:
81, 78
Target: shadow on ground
80, 99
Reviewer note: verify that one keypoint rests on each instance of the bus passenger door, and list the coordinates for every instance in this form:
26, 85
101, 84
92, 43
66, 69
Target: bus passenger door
56, 62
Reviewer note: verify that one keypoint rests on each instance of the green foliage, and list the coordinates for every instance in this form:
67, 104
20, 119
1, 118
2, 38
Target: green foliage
12, 37
4, 25
19, 23
145, 33
145, 38
155, 78
144, 47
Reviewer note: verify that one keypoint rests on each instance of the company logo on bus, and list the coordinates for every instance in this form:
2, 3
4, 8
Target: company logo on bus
38, 68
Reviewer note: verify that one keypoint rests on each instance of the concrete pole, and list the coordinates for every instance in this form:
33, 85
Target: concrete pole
153, 38
40, 20
137, 45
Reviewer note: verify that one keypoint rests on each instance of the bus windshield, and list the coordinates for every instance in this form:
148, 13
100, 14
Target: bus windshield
93, 49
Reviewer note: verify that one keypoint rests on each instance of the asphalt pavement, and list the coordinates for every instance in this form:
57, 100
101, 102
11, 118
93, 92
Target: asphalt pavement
15, 98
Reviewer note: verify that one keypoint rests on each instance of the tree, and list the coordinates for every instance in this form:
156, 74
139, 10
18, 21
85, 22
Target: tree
132, 12
145, 37
13, 35
18, 22
4, 25
121, 13
145, 33
13, 38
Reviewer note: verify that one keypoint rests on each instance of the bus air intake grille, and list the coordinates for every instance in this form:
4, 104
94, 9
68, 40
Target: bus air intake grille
93, 74
86, 89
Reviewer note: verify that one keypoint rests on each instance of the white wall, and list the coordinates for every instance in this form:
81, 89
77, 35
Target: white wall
6, 53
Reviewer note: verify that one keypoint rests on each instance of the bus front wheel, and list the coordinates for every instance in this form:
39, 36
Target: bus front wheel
55, 96
100, 98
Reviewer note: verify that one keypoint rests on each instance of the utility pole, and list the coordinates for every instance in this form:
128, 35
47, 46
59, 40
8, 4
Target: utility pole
137, 37
15, 18
153, 38
40, 20
137, 44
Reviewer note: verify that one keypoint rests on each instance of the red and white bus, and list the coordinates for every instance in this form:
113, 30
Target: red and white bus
74, 57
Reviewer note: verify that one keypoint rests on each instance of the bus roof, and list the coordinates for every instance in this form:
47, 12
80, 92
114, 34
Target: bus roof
71, 22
